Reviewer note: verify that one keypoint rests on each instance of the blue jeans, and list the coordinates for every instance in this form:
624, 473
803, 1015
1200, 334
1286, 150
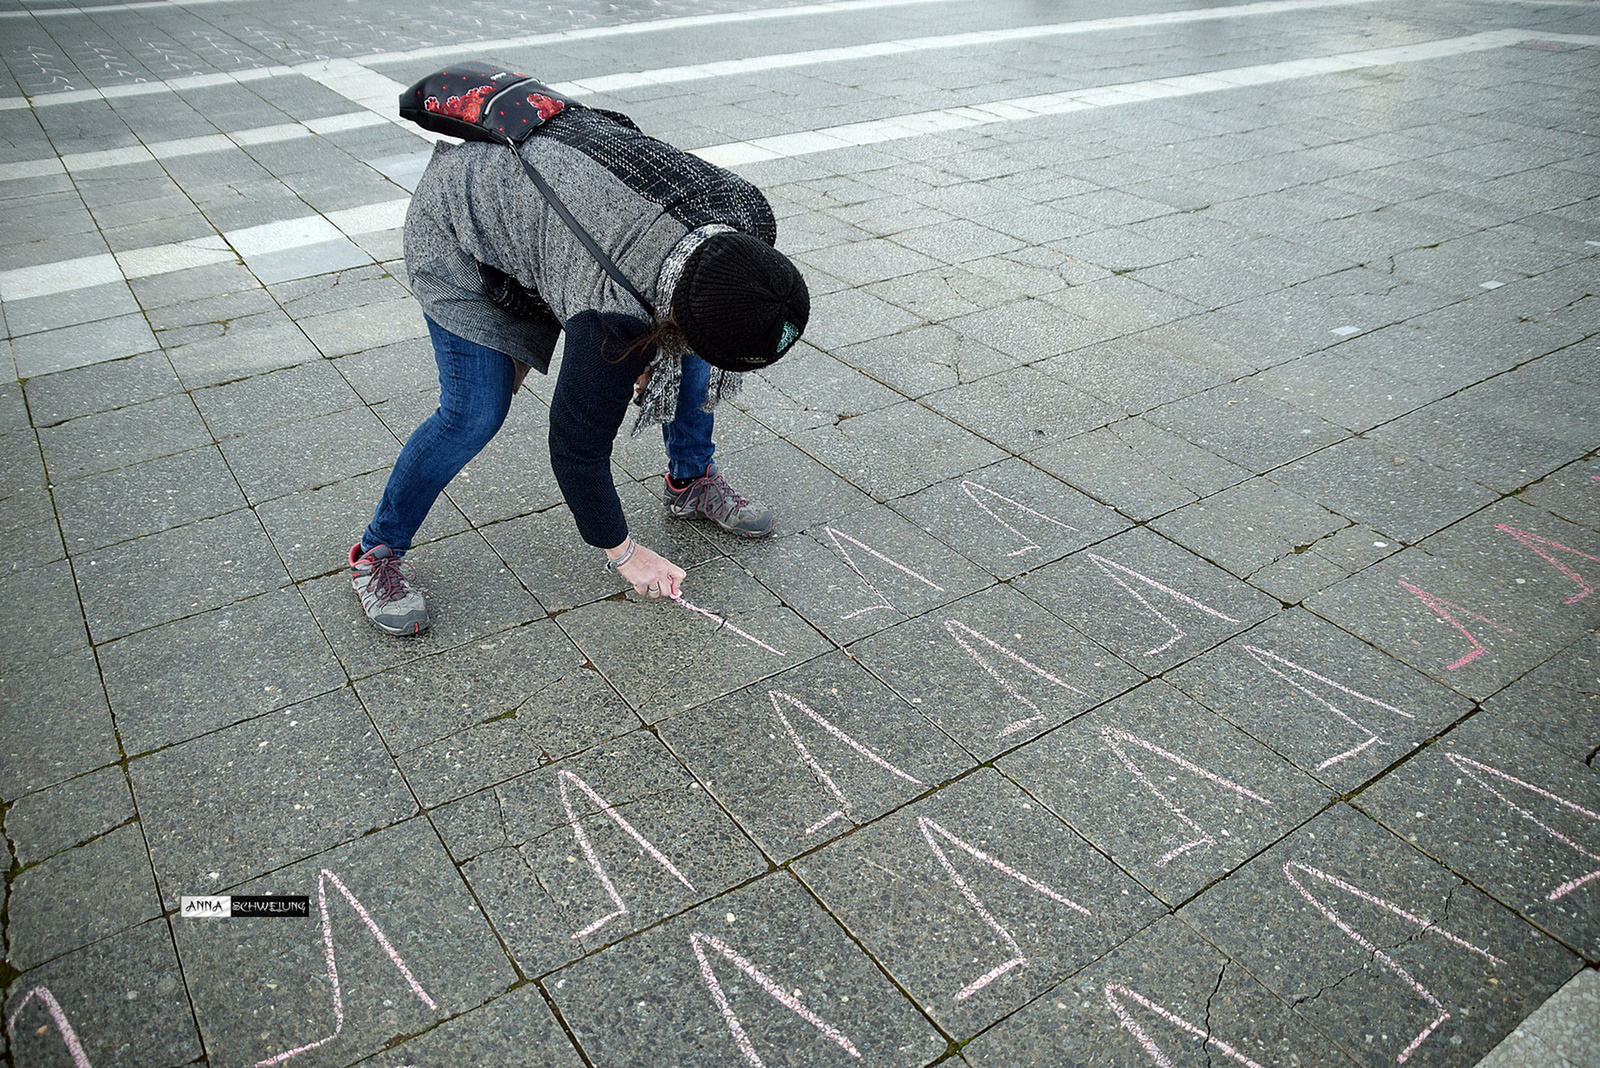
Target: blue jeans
475, 389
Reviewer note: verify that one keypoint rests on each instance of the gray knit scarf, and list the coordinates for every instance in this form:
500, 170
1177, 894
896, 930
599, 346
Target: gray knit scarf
659, 403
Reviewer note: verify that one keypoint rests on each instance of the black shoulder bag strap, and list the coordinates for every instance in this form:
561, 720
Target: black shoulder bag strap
581, 234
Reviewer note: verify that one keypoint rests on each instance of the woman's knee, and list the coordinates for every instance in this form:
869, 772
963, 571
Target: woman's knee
474, 424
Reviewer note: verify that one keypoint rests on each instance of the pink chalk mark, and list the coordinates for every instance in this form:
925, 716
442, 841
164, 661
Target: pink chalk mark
774, 991
1465, 765
1156, 1053
836, 814
951, 626
811, 762
967, 485
719, 621
1113, 737
1261, 656
1379, 955
323, 878
1538, 545
1018, 959
1105, 567
1441, 607
564, 777
835, 535
69, 1037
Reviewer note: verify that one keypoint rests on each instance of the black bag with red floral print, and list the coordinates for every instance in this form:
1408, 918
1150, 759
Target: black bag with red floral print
484, 102
481, 102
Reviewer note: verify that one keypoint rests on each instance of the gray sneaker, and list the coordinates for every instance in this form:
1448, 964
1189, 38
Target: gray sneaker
710, 497
385, 587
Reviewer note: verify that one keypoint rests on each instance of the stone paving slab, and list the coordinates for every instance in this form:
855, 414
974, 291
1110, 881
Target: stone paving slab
1164, 993
1511, 814
976, 899
1196, 797
761, 971
821, 749
584, 852
1419, 998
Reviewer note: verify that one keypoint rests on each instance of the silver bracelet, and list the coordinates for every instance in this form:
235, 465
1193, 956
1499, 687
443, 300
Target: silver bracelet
627, 554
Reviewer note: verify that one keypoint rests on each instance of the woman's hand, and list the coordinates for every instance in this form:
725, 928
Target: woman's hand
652, 574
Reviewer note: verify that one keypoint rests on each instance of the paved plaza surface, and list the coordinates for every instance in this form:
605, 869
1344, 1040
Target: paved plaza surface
1178, 648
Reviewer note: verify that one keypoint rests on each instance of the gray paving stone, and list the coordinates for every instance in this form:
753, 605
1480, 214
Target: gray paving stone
993, 670
123, 997
1333, 706
305, 261
20, 466
55, 718
366, 326
230, 806
1010, 517
213, 353
1138, 468
976, 899
748, 635
587, 851
1165, 992
314, 529
870, 450
1196, 797
1389, 896
553, 562
79, 896
13, 412
83, 344
388, 371
850, 578
925, 359
1022, 409
145, 498
1402, 495
470, 593
863, 262
1511, 814
1465, 628
1246, 427
1130, 375
1557, 702
39, 611
276, 398
516, 1029
796, 990
174, 682
312, 452
808, 389
850, 316
70, 814
511, 476
398, 955
116, 439
1148, 601
1544, 557
100, 387
1031, 330
176, 573
1570, 493
1563, 1030
1247, 527
811, 754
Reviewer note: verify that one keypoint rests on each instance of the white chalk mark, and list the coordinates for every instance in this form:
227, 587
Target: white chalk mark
1113, 737
1441, 607
752, 639
1538, 545
967, 485
564, 777
1379, 955
835, 535
1465, 765
1156, 1053
1018, 959
69, 1037
811, 762
951, 626
1105, 567
1261, 656
323, 878
774, 991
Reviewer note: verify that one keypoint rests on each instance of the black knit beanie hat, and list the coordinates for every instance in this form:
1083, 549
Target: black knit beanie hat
739, 302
